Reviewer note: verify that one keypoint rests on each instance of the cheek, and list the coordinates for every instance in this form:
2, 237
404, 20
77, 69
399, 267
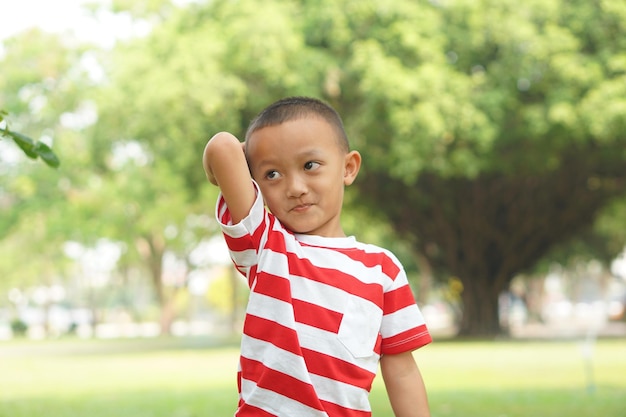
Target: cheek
270, 196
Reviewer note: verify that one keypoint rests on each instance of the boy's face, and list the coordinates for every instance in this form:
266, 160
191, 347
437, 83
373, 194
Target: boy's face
302, 171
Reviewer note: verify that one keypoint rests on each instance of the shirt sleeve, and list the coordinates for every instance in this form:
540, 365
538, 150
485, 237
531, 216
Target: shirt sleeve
244, 238
403, 327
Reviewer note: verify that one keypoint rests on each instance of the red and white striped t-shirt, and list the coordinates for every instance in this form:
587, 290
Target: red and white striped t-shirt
321, 312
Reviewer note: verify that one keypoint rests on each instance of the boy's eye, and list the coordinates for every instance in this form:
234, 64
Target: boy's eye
311, 165
272, 175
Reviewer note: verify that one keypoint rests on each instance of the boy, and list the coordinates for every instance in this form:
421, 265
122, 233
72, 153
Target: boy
324, 309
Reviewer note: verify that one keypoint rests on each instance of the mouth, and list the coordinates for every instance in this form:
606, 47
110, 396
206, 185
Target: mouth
301, 207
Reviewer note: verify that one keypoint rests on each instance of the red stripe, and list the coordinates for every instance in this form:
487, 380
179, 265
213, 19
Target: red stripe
316, 316
330, 276
240, 244
378, 346
398, 299
279, 382
337, 369
266, 223
338, 279
241, 269
369, 259
372, 260
252, 275
273, 286
277, 234
225, 213
335, 410
405, 341
272, 332
247, 410
246, 242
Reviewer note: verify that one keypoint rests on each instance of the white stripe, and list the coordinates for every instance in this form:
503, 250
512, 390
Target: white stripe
270, 308
402, 320
345, 395
261, 398
275, 358
323, 295
328, 343
245, 258
220, 209
274, 263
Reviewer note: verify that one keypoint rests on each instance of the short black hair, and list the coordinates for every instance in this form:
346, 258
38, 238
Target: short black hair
293, 108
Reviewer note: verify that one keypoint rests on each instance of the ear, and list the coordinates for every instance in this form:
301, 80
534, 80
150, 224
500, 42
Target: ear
352, 164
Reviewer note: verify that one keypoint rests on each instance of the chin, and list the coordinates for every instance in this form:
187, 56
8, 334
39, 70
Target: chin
298, 230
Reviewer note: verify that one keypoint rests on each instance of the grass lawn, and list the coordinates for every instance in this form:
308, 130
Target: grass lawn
191, 378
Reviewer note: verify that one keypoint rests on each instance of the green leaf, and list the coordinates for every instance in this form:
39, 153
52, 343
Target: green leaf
33, 149
46, 154
25, 143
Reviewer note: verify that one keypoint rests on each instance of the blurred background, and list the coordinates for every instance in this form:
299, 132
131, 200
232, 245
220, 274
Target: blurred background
493, 135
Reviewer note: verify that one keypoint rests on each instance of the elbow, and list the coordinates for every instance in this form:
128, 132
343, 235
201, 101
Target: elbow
220, 146
221, 142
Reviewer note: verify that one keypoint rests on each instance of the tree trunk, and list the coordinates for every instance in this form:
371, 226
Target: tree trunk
426, 278
167, 315
481, 316
151, 249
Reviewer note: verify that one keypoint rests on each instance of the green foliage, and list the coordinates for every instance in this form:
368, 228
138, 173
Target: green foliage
33, 149
508, 88
18, 328
227, 293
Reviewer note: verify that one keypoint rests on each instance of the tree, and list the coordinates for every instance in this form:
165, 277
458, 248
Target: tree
154, 201
489, 129
495, 142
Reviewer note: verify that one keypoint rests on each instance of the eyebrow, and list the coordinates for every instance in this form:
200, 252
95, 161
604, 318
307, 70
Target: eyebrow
310, 153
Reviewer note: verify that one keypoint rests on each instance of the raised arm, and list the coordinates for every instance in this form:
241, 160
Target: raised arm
405, 386
225, 166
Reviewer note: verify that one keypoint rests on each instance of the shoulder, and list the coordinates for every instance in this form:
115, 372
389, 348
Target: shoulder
377, 255
366, 261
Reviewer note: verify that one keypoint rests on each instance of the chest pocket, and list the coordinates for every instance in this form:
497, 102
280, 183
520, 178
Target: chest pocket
360, 326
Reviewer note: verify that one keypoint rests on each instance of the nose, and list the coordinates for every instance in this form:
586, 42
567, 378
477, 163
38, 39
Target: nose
296, 186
